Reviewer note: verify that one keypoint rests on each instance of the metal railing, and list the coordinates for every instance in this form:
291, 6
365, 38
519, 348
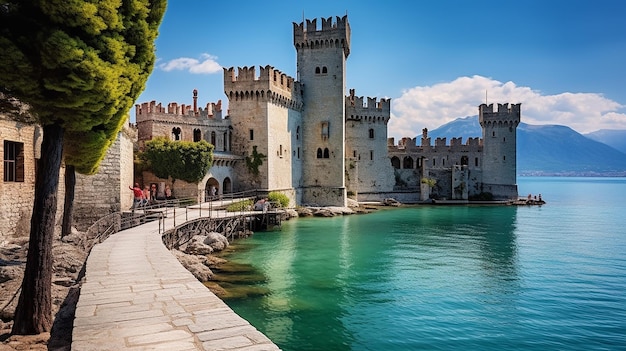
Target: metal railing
114, 222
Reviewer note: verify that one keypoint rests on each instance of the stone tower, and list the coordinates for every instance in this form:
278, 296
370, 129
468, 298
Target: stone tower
500, 149
368, 170
321, 69
265, 116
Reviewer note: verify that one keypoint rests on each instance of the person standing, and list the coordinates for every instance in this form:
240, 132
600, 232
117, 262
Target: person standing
146, 195
137, 195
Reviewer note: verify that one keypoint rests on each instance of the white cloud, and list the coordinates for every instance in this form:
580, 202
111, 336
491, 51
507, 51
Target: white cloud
432, 106
207, 65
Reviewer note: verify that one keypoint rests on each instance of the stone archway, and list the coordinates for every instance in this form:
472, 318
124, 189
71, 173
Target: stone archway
212, 189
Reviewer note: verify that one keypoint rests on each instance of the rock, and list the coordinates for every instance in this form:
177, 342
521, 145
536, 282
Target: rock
391, 202
216, 240
324, 212
197, 246
352, 203
341, 210
11, 273
289, 213
304, 212
200, 271
196, 265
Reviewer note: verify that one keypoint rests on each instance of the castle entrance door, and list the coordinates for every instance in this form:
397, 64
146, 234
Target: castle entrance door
211, 190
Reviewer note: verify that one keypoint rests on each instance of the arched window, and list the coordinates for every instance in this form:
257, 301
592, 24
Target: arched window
176, 133
317, 70
213, 138
197, 135
464, 160
225, 142
371, 132
319, 153
298, 133
395, 162
326, 154
324, 70
407, 162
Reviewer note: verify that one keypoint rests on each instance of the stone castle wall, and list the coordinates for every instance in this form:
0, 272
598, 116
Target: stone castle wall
106, 191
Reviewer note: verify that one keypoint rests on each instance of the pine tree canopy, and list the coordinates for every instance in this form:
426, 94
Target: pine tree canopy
80, 64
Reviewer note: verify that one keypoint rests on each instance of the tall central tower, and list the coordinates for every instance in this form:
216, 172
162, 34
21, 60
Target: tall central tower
321, 69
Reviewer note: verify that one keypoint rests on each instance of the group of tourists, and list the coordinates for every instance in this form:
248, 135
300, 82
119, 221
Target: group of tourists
148, 195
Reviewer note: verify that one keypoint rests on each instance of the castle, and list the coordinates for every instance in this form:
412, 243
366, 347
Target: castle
303, 137
307, 138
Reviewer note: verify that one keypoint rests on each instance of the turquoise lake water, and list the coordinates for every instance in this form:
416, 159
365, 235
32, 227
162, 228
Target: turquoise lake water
450, 278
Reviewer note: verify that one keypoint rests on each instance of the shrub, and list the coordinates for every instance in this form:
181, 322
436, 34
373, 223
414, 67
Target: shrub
244, 205
280, 198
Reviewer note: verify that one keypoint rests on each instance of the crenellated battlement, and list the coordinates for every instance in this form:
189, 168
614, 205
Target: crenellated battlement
268, 79
384, 105
441, 144
373, 110
509, 114
332, 34
271, 85
149, 110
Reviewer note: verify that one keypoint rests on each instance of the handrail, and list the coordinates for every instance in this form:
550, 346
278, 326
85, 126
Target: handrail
114, 222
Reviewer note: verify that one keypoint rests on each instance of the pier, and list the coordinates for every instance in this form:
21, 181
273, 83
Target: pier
137, 296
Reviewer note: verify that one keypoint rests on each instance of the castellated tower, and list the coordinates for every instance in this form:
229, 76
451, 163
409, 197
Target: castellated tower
368, 170
500, 149
265, 113
321, 67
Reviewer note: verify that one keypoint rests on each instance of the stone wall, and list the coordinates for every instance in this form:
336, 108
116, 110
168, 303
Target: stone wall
17, 197
106, 191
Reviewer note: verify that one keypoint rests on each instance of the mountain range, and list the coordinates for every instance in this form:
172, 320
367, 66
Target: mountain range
553, 149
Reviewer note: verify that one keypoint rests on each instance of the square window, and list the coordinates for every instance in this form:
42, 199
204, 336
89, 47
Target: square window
13, 161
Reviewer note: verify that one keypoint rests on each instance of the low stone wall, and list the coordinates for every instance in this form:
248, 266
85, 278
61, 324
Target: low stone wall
323, 196
405, 197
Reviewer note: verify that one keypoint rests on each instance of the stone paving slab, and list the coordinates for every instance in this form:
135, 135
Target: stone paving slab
137, 296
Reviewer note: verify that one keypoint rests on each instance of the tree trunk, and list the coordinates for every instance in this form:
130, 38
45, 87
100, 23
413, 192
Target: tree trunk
33, 314
68, 205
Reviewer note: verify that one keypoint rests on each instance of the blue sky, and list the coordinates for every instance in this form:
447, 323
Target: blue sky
565, 61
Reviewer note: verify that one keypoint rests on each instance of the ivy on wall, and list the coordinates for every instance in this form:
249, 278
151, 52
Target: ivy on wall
254, 161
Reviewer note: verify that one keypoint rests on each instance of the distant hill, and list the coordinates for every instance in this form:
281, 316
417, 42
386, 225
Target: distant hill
615, 138
548, 149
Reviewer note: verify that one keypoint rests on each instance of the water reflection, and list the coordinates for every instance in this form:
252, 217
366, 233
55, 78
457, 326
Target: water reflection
339, 283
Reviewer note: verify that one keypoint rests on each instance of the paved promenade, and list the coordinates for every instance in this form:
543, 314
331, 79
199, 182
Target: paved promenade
137, 296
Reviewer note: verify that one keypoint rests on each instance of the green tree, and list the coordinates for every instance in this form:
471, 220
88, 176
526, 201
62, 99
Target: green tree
83, 153
79, 65
185, 160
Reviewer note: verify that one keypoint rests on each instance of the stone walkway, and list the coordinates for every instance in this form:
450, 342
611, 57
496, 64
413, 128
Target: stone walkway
137, 296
